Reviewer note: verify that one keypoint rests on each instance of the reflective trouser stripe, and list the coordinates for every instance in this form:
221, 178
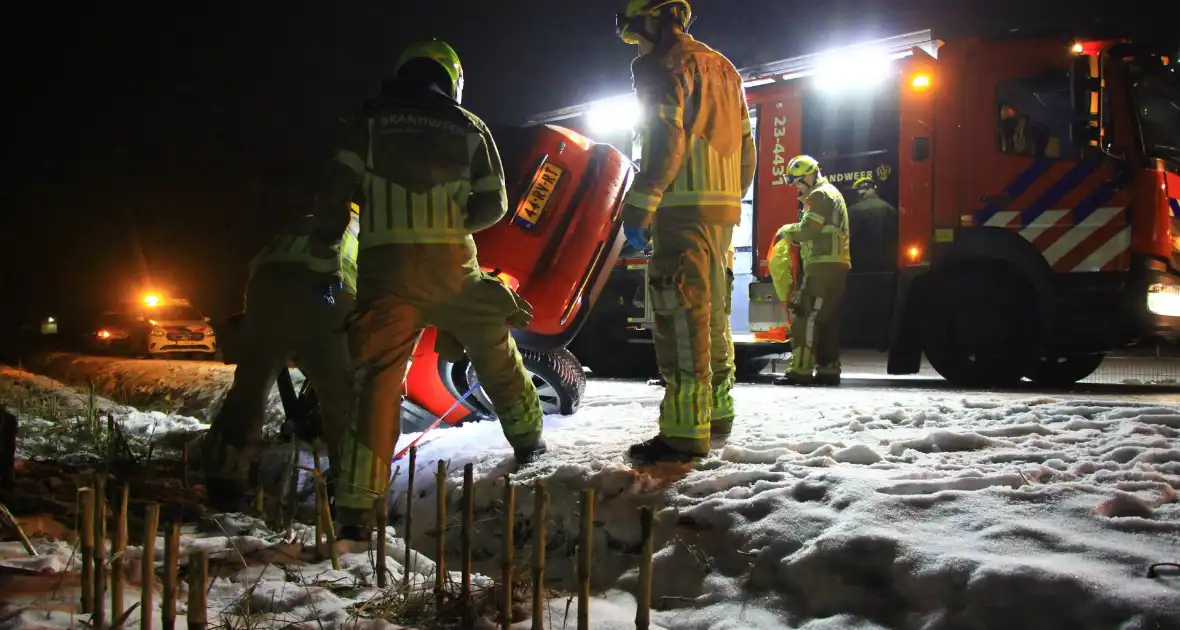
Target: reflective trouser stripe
803, 346
685, 398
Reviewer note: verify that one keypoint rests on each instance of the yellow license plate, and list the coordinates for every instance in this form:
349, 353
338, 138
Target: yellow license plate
528, 213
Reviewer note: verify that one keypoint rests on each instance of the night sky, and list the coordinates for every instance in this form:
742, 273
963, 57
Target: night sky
172, 138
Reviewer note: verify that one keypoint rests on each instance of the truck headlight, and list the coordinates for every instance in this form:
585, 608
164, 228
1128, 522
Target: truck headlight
156, 332
1164, 300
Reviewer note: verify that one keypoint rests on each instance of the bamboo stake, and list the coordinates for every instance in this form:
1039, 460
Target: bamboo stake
509, 549
171, 570
440, 568
643, 598
409, 514
381, 517
86, 498
319, 504
100, 551
147, 571
329, 527
184, 464
585, 543
119, 547
198, 600
540, 518
467, 533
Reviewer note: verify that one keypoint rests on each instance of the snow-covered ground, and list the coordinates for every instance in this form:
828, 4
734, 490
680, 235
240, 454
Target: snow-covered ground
858, 507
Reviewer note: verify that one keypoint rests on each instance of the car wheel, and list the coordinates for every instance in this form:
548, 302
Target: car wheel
558, 377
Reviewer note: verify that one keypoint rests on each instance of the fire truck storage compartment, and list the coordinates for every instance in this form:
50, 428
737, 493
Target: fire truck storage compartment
854, 133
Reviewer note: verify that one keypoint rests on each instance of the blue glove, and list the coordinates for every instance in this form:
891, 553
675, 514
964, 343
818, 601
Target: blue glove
636, 236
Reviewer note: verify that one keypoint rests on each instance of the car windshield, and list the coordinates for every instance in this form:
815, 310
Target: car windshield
1157, 103
176, 313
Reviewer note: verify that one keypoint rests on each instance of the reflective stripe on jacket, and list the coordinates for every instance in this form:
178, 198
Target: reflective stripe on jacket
696, 139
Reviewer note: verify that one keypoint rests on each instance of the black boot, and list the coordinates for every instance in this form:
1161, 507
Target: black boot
657, 382
526, 455
792, 378
658, 451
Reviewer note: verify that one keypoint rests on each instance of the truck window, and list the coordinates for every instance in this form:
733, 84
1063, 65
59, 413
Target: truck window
1033, 116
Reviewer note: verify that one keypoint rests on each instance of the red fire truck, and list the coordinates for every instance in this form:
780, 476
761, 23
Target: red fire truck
1035, 181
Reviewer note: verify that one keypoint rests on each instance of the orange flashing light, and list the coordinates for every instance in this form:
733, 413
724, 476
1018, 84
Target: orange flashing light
151, 299
104, 334
915, 254
1078, 48
920, 81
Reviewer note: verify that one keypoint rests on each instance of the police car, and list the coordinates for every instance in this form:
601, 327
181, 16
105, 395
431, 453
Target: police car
158, 327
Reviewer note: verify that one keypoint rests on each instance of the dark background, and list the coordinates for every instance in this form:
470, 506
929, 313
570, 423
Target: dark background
165, 141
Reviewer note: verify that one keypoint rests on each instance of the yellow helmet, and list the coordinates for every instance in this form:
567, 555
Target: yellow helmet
630, 20
441, 52
864, 183
799, 167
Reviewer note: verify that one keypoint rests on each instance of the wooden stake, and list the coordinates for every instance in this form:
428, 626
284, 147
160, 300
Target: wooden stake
184, 463
440, 544
147, 570
198, 601
260, 503
643, 598
585, 553
466, 534
100, 551
86, 499
118, 549
508, 553
171, 571
540, 518
326, 519
319, 504
292, 498
409, 514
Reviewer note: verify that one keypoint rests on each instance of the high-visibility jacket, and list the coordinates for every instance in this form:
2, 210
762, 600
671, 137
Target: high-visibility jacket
822, 231
697, 145
429, 169
294, 245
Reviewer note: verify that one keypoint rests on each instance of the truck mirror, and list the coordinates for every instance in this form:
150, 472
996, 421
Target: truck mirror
1085, 99
920, 151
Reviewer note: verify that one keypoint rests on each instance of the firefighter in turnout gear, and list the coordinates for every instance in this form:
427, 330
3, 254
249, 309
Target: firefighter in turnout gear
697, 165
823, 237
297, 301
431, 177
876, 220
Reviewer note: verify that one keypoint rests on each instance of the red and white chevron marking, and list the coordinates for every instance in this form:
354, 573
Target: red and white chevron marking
1100, 242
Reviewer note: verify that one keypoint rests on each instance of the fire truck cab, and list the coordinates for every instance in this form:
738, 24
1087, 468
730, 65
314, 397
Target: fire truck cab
1033, 182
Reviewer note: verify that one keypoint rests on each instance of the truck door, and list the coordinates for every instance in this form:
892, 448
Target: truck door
854, 134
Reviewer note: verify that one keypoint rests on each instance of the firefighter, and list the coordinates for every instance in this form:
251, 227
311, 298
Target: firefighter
876, 219
431, 177
697, 165
823, 237
296, 306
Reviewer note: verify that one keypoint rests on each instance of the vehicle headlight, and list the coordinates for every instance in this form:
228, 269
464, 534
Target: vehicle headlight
156, 332
1164, 300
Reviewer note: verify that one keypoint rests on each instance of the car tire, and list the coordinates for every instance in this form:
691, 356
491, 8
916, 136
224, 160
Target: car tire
558, 377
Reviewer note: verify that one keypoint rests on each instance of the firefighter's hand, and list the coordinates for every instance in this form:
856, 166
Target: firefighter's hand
637, 237
795, 303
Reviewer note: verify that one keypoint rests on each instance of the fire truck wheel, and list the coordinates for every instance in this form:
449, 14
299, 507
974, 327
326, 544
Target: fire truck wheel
979, 334
1065, 371
558, 377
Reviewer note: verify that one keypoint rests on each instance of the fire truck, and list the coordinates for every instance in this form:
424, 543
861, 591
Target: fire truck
1035, 180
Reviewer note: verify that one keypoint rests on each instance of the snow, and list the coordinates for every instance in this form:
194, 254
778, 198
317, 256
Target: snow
855, 507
